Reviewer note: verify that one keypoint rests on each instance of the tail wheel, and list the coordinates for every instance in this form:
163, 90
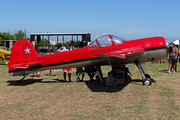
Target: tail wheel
147, 82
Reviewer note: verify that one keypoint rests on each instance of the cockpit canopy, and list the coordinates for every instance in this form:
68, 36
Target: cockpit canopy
106, 40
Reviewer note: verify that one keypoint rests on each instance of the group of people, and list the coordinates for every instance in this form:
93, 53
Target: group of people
38, 73
62, 49
172, 56
91, 71
68, 70
115, 77
65, 70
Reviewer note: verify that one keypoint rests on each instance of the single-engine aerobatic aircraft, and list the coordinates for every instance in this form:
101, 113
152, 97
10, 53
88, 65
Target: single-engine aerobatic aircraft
105, 50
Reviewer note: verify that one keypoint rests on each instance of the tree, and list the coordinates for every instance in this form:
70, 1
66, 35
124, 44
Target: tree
5, 36
1, 41
43, 42
20, 35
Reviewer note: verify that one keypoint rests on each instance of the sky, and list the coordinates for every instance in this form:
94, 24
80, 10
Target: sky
128, 19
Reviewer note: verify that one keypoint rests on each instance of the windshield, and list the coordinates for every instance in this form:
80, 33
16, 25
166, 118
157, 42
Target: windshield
117, 40
104, 40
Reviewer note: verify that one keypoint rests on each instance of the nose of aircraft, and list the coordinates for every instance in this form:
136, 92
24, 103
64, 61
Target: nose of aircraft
156, 42
161, 42
151, 43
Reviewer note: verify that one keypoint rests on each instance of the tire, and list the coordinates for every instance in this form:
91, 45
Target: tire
147, 82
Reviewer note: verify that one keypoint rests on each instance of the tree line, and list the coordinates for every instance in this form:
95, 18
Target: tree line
16, 36
22, 35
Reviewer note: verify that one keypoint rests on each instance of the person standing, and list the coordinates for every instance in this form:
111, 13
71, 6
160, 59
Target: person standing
39, 72
98, 68
79, 70
90, 70
72, 45
172, 58
63, 49
51, 52
176, 57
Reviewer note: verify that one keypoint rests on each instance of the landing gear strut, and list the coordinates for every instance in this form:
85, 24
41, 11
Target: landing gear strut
23, 77
146, 78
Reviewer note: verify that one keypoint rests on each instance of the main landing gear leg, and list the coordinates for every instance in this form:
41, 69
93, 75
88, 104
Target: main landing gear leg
23, 77
146, 78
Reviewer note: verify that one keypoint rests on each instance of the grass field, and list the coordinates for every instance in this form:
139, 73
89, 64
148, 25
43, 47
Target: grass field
49, 98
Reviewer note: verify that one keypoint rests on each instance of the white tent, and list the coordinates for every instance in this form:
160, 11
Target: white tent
176, 42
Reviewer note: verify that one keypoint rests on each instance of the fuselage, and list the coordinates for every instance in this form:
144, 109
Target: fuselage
154, 48
141, 50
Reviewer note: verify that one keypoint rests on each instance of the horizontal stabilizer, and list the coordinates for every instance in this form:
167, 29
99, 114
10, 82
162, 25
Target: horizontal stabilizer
27, 65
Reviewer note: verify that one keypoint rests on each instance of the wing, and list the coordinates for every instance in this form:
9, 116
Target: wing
123, 53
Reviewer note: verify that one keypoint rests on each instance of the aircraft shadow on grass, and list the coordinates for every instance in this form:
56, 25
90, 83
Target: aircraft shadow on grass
165, 71
24, 82
30, 81
98, 86
94, 86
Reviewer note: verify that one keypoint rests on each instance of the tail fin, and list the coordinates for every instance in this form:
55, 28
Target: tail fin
22, 52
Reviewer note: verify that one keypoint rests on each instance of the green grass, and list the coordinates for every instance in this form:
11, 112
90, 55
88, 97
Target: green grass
48, 97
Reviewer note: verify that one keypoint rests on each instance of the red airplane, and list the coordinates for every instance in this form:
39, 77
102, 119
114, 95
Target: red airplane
105, 50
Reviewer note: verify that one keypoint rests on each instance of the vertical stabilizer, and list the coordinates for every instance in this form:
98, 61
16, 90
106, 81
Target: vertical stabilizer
22, 52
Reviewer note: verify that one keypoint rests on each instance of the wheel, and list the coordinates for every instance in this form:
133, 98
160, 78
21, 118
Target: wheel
147, 82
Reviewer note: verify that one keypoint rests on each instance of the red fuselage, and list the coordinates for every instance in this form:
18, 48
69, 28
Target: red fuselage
141, 50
